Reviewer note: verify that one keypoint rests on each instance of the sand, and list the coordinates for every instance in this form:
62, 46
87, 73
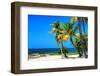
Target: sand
50, 57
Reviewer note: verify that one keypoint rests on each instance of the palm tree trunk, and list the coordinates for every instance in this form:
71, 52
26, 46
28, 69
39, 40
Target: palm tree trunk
83, 26
79, 25
62, 51
80, 31
82, 41
75, 47
85, 45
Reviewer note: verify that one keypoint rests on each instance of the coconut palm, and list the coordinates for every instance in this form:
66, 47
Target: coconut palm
64, 32
74, 34
67, 31
84, 21
82, 44
59, 31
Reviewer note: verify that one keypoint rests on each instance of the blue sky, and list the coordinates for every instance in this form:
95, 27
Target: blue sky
39, 28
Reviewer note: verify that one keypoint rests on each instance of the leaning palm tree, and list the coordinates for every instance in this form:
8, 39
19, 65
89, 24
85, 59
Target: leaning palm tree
60, 36
64, 32
74, 34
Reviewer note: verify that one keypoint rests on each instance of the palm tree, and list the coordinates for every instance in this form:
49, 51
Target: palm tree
64, 32
84, 21
73, 34
58, 30
83, 40
67, 31
81, 44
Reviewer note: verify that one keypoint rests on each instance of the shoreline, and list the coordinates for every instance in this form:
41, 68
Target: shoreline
51, 57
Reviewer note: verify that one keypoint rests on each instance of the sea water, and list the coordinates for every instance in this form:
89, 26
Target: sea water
48, 50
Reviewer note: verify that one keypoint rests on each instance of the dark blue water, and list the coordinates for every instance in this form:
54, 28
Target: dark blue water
48, 50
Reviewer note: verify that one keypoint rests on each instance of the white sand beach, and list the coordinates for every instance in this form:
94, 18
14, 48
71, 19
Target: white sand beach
49, 57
